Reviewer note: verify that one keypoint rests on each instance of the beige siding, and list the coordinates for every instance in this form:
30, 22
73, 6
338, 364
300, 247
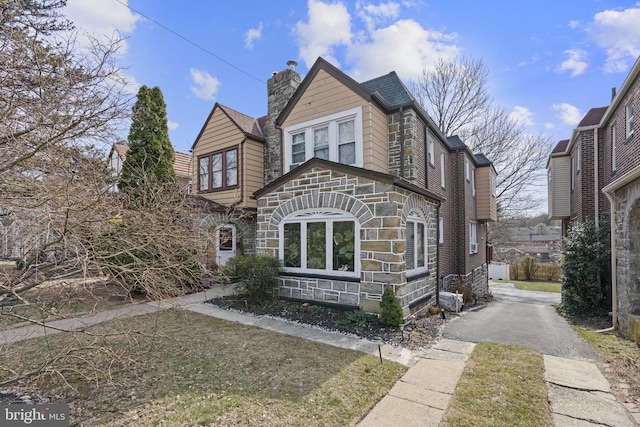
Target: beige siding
487, 205
220, 133
326, 95
252, 170
559, 187
375, 139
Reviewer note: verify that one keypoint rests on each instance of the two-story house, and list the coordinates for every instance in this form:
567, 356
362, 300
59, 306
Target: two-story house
596, 176
353, 187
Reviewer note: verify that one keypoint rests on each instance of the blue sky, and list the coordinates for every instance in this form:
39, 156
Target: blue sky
549, 62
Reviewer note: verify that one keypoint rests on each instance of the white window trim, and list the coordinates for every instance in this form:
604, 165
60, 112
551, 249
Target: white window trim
415, 218
442, 170
629, 113
328, 216
441, 230
431, 151
467, 173
332, 121
473, 182
473, 238
614, 137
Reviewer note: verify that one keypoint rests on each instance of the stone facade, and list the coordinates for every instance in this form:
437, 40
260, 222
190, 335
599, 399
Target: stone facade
380, 209
280, 88
627, 239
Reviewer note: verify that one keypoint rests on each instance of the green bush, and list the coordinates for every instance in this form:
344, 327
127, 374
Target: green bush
359, 318
257, 275
391, 311
586, 273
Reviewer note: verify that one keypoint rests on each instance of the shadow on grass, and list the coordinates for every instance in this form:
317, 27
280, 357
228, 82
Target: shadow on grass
186, 368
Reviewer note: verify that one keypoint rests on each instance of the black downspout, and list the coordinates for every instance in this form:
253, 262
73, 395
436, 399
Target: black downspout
438, 254
401, 142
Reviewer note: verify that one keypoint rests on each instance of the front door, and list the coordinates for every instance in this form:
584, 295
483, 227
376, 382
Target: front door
225, 243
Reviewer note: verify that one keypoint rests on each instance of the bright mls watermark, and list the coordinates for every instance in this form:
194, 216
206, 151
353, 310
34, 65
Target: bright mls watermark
54, 415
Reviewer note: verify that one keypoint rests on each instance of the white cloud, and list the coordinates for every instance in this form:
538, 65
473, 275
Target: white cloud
172, 125
408, 49
522, 115
205, 85
102, 18
373, 15
567, 113
574, 24
576, 62
329, 26
549, 125
618, 33
252, 35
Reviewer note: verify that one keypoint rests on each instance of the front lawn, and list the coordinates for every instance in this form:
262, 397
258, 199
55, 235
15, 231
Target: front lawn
537, 286
190, 369
501, 386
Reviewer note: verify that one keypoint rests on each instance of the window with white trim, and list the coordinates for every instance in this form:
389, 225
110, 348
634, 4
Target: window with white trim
467, 173
337, 137
442, 171
416, 247
218, 171
629, 118
613, 147
320, 242
473, 238
431, 150
473, 182
441, 230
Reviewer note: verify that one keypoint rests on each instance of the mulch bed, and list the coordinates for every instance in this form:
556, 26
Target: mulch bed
417, 334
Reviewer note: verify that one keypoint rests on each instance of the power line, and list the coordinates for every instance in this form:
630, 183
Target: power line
191, 42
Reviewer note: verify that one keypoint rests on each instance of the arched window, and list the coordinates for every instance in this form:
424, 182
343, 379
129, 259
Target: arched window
416, 252
320, 242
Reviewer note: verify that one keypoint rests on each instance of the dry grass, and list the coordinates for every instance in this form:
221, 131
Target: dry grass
537, 286
176, 368
502, 385
619, 362
68, 298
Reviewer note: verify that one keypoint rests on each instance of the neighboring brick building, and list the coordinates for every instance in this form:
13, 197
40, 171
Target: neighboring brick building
360, 191
596, 176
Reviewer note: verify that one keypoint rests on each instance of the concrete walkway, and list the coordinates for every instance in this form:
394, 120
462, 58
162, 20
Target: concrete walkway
579, 394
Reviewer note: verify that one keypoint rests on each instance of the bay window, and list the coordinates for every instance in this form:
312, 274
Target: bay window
218, 171
320, 243
337, 137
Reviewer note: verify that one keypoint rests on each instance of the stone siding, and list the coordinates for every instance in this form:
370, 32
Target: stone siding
627, 200
380, 209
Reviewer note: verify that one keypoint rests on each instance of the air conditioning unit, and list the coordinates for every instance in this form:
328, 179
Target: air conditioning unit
474, 248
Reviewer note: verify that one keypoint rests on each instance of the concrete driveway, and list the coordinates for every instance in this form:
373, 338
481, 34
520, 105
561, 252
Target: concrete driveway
525, 318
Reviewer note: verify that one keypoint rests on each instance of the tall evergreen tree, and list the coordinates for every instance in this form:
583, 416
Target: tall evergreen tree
150, 157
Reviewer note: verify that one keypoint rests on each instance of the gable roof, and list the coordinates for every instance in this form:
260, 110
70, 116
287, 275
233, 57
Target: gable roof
560, 147
323, 64
390, 88
120, 147
181, 163
352, 170
593, 117
249, 126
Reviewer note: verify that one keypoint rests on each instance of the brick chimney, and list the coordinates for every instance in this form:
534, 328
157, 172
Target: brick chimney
280, 88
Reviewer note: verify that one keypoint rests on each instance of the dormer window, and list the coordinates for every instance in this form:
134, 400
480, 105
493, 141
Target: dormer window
337, 137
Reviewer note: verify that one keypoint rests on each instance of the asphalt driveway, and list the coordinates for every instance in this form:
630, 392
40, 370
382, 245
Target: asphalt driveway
524, 318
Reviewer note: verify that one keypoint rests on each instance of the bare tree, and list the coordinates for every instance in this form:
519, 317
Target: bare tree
455, 94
